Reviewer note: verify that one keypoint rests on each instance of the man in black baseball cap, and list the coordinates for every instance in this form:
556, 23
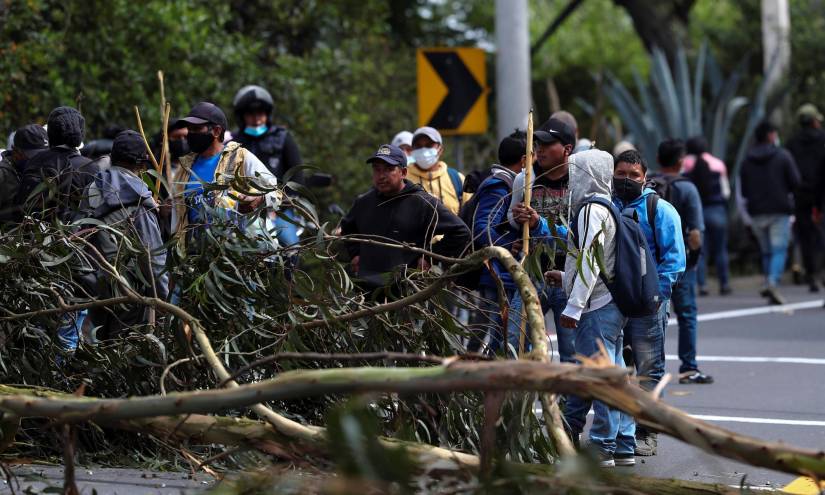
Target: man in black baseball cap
212, 161
120, 198
399, 210
550, 200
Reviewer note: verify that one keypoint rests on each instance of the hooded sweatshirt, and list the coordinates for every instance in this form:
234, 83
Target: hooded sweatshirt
591, 175
437, 182
808, 150
411, 216
122, 200
768, 179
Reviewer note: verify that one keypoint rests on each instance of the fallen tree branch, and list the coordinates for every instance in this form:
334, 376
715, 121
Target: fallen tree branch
607, 384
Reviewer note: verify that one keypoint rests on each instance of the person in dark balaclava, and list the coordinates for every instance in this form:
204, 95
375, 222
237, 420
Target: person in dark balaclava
61, 166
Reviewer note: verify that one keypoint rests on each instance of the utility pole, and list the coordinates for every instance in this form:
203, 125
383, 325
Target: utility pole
776, 47
512, 85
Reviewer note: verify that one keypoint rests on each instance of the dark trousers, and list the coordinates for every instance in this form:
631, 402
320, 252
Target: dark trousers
809, 235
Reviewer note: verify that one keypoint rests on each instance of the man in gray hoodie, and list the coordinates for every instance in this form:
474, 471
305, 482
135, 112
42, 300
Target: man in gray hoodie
120, 198
590, 308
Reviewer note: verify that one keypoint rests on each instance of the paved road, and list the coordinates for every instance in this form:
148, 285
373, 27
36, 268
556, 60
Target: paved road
755, 393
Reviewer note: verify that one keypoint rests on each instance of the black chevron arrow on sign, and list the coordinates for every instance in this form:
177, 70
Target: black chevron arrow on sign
463, 89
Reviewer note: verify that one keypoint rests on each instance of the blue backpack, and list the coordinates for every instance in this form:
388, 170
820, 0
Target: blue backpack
635, 283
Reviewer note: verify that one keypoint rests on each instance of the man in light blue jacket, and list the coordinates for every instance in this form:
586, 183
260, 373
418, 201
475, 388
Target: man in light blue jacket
662, 227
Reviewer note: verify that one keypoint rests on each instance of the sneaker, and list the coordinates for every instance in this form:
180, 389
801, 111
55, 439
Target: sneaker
773, 296
624, 459
646, 444
695, 376
703, 292
605, 460
813, 288
725, 291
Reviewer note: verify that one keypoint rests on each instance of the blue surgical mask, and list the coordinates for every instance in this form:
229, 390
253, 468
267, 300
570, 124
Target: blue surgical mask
256, 131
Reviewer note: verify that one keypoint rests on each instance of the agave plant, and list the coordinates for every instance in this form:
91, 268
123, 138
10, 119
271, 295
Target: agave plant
674, 104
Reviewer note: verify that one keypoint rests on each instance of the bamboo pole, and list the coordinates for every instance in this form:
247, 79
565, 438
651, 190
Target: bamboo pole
525, 229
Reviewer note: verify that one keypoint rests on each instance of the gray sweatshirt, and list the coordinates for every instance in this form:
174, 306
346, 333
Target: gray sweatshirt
591, 174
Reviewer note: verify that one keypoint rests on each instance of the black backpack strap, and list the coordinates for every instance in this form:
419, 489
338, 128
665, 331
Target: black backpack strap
652, 203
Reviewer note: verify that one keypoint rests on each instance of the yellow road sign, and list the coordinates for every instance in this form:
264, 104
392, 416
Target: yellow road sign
452, 90
804, 486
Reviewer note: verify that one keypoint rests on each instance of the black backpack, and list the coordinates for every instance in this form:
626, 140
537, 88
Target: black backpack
635, 282
467, 212
663, 185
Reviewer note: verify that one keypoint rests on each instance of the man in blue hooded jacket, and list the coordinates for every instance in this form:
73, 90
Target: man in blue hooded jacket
490, 227
662, 227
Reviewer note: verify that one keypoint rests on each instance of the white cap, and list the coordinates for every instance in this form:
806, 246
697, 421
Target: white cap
431, 133
621, 147
402, 138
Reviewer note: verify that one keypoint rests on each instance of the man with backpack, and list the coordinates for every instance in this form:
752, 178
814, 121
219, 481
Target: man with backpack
679, 191
662, 228
486, 215
120, 199
432, 173
591, 310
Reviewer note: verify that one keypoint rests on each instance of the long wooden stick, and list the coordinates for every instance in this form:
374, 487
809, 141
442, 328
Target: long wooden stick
525, 233
145, 141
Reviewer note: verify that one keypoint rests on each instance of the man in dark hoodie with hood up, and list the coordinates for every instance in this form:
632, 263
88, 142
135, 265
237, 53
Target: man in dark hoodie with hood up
768, 180
397, 210
808, 149
28, 141
119, 198
61, 166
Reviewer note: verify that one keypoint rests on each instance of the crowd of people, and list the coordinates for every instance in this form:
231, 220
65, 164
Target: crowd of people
618, 244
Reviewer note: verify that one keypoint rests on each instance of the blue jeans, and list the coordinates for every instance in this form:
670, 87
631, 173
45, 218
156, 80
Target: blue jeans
773, 233
487, 320
646, 336
684, 305
552, 299
287, 229
610, 432
716, 244
68, 333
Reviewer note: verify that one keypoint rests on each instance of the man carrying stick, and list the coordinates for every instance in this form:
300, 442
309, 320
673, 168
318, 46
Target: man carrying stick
546, 217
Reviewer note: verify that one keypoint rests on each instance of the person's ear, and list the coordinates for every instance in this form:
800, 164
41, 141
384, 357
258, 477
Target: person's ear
568, 150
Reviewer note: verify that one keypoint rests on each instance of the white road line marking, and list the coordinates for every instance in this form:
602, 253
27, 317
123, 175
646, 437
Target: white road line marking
752, 359
762, 310
761, 421
738, 419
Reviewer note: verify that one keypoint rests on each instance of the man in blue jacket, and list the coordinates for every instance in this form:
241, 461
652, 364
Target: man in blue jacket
490, 227
663, 229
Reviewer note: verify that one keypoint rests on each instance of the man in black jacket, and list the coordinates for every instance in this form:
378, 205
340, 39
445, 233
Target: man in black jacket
808, 149
28, 141
61, 167
396, 210
768, 179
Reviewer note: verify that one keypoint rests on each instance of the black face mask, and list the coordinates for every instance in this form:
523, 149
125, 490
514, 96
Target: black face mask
178, 148
199, 141
627, 189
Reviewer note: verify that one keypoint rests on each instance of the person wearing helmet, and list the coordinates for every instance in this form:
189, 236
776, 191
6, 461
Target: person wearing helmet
272, 144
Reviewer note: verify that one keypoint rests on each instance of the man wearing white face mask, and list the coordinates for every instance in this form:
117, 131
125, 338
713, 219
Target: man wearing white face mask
432, 173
